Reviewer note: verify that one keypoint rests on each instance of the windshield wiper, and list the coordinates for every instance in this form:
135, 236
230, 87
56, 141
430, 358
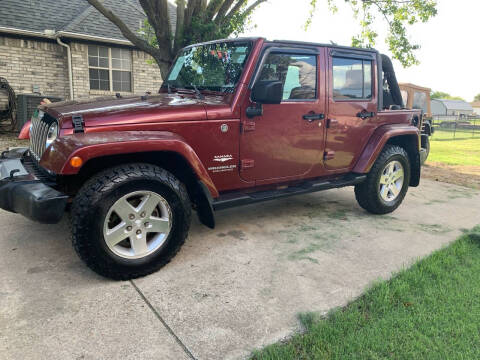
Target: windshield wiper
189, 88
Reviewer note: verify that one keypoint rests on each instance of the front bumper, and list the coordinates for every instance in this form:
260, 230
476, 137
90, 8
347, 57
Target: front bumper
23, 192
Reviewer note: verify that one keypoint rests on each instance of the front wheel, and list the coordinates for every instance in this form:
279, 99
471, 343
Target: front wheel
387, 182
130, 220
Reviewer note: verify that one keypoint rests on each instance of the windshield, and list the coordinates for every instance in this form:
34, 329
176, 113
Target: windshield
215, 67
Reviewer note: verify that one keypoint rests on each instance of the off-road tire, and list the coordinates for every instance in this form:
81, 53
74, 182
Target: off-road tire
368, 193
97, 195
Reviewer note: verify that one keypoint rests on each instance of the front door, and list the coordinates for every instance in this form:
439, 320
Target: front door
352, 107
288, 139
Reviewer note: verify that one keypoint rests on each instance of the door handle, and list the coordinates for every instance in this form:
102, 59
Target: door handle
364, 114
312, 116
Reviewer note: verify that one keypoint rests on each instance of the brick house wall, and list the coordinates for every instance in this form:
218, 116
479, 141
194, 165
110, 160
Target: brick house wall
146, 73
27, 62
81, 85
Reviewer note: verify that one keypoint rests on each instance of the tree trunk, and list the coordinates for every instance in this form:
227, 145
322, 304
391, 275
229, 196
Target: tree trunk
163, 65
223, 10
179, 35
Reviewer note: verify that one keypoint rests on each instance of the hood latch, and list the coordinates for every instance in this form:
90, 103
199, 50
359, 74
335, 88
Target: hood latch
78, 124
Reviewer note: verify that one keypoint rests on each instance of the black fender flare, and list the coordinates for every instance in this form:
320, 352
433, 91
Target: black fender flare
204, 204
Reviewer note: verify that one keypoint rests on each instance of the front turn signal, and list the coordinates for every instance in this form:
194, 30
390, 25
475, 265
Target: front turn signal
76, 162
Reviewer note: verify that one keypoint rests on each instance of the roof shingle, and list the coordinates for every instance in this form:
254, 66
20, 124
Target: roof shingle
455, 104
73, 16
38, 15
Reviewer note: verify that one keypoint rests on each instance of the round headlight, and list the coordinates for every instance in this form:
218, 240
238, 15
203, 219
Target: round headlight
52, 133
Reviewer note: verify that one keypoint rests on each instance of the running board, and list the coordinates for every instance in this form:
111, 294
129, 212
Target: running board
241, 198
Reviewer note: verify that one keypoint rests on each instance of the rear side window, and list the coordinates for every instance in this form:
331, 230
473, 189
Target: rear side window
352, 79
298, 74
420, 100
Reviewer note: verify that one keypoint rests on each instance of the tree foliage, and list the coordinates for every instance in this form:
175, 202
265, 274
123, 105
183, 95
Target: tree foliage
204, 20
444, 95
477, 97
397, 14
196, 21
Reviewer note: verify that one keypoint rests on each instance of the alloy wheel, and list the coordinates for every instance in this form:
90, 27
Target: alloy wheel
391, 181
137, 224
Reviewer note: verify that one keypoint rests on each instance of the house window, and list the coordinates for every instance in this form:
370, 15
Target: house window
352, 79
110, 69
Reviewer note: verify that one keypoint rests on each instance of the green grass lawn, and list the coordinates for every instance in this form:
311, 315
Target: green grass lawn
464, 150
429, 311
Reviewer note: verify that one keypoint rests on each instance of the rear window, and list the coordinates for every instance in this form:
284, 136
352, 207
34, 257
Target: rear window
352, 79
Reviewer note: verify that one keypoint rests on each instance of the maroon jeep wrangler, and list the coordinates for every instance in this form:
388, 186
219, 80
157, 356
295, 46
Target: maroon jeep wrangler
235, 122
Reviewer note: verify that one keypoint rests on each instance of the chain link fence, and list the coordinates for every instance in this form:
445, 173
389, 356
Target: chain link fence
456, 126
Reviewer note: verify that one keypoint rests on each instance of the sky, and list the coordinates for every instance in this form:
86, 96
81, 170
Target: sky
450, 43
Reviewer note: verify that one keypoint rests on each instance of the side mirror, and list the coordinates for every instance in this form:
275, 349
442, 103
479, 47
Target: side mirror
267, 92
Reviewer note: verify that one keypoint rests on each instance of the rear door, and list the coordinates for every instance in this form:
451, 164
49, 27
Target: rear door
352, 106
288, 139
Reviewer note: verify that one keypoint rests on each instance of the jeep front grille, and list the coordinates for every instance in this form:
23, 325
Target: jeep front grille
38, 133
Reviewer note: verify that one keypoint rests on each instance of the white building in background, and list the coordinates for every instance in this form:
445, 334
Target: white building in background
476, 107
451, 107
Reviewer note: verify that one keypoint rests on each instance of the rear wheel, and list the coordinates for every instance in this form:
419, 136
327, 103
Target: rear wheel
387, 182
425, 148
130, 220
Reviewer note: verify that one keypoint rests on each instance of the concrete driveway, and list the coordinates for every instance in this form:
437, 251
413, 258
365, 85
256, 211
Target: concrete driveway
229, 290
